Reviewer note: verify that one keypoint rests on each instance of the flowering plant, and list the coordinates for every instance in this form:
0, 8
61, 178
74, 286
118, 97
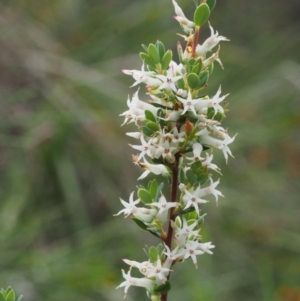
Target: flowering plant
178, 129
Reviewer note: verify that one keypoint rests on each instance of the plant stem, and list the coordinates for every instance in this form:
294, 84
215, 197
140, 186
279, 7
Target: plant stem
174, 186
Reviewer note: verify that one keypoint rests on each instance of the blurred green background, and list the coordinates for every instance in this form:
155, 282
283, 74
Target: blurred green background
64, 159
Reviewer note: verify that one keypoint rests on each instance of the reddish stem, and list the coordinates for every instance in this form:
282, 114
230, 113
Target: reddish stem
174, 186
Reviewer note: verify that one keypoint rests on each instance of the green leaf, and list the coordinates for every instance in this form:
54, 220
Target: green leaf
193, 80
2, 296
180, 52
161, 49
191, 177
203, 77
144, 195
196, 68
10, 296
147, 132
153, 54
145, 47
202, 178
152, 126
153, 188
211, 114
160, 249
163, 288
149, 115
180, 83
201, 14
181, 176
153, 254
159, 189
139, 223
20, 298
166, 60
190, 209
196, 2
147, 59
9, 289
196, 167
210, 68
211, 4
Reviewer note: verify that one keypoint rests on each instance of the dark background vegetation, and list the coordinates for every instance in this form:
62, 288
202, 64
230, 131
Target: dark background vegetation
64, 159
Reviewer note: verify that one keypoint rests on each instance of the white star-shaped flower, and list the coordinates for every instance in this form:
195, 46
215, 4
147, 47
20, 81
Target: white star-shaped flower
189, 103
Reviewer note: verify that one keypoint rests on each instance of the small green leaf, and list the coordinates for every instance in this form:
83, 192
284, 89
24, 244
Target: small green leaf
180, 52
160, 250
193, 80
147, 59
180, 84
191, 177
181, 176
153, 188
211, 4
145, 47
144, 195
211, 114
138, 222
210, 68
203, 79
202, 178
201, 14
153, 54
161, 49
190, 209
149, 115
152, 126
159, 189
196, 167
9, 289
153, 254
192, 215
20, 298
166, 60
196, 68
147, 132
2, 296
10, 296
163, 288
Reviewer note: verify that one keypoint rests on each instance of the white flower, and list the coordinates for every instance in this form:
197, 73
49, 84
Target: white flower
169, 80
191, 251
137, 109
204, 103
163, 207
211, 189
216, 143
136, 135
132, 281
157, 169
197, 149
208, 164
175, 136
146, 148
144, 214
189, 103
205, 247
209, 43
185, 232
181, 18
142, 76
158, 271
171, 256
192, 199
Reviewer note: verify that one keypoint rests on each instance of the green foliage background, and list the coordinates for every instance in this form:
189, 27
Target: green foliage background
64, 159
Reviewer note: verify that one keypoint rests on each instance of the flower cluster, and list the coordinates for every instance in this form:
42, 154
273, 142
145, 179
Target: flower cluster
178, 129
